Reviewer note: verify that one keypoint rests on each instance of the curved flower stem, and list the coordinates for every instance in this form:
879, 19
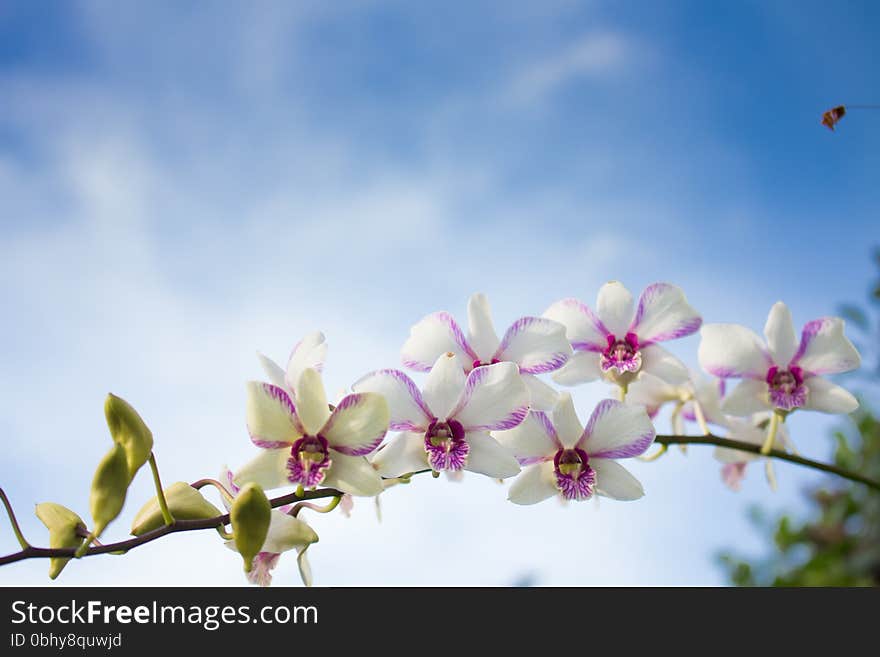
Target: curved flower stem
701, 417
718, 441
767, 447
314, 507
201, 483
656, 455
14, 522
160, 494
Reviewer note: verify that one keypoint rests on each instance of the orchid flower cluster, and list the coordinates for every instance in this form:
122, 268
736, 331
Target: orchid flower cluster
483, 407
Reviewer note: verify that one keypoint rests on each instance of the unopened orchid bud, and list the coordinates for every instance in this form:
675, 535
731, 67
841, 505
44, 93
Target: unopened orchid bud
109, 487
66, 530
130, 431
184, 502
251, 515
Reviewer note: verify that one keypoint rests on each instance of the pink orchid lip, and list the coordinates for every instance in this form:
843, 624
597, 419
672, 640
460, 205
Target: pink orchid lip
309, 460
446, 446
621, 354
479, 363
575, 478
787, 390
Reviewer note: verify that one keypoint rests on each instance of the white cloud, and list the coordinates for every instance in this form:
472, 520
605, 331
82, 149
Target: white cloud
596, 56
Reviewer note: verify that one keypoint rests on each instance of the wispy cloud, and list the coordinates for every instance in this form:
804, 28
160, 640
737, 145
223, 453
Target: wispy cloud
594, 56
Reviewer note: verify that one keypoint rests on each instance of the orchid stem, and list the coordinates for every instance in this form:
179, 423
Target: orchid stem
314, 507
624, 388
656, 455
201, 483
14, 522
701, 418
771, 434
225, 535
160, 494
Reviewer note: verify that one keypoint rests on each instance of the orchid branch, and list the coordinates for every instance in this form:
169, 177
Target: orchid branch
219, 522
710, 439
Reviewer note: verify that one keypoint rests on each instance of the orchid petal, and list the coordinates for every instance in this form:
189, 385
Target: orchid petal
664, 314
481, 332
487, 457
615, 481
271, 417
661, 363
614, 306
309, 352
746, 398
733, 351
494, 399
444, 386
542, 397
357, 424
273, 371
286, 533
824, 349
617, 431
565, 420
534, 438
779, 330
537, 345
408, 410
268, 469
582, 367
353, 475
827, 397
403, 454
582, 328
535, 484
433, 336
311, 402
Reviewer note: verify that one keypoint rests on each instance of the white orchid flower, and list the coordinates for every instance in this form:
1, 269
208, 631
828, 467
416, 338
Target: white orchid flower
617, 343
784, 374
561, 457
753, 431
696, 400
446, 425
536, 345
285, 533
306, 444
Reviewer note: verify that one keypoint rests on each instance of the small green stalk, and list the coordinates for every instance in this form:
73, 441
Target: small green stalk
160, 494
772, 430
14, 522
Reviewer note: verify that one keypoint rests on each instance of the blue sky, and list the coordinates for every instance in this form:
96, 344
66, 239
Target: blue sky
182, 184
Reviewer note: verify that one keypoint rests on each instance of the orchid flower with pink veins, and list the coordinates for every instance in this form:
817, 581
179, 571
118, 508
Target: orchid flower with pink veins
536, 345
561, 457
304, 443
617, 343
752, 430
696, 400
784, 374
285, 533
446, 425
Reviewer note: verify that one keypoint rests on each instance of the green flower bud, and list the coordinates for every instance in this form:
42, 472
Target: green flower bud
128, 430
184, 502
64, 532
251, 515
109, 487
